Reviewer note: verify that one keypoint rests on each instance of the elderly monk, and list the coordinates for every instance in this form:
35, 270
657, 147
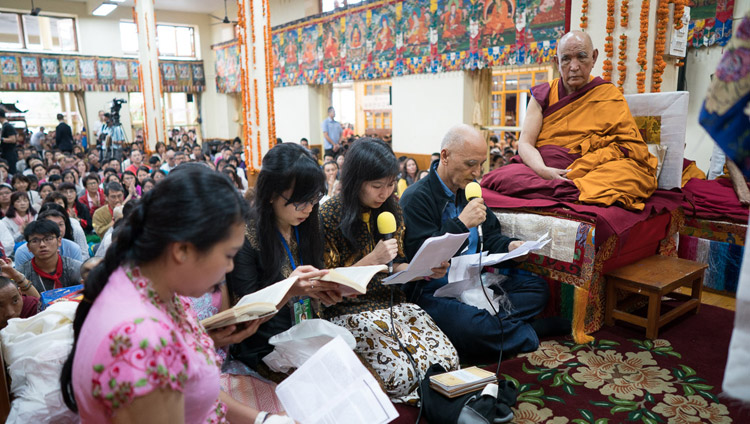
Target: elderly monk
589, 117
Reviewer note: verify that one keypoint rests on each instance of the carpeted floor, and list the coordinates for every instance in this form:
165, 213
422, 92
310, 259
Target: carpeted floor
623, 377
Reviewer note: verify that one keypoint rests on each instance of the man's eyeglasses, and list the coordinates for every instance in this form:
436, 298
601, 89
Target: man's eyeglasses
45, 240
300, 206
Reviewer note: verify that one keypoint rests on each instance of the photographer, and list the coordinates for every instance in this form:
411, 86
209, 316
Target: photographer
112, 135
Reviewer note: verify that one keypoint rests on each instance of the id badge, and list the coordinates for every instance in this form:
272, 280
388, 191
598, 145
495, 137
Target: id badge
302, 310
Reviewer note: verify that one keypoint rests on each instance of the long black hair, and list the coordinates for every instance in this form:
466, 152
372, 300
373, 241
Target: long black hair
284, 166
368, 159
179, 209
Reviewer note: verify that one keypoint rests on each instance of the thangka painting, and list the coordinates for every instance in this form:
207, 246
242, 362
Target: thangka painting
228, 68
380, 39
710, 22
50, 72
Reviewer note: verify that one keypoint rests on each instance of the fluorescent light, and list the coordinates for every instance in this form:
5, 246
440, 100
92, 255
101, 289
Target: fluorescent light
104, 9
117, 1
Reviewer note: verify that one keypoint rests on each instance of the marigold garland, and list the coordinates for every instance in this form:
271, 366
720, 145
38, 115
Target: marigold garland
622, 54
584, 14
245, 92
642, 40
609, 47
662, 19
679, 12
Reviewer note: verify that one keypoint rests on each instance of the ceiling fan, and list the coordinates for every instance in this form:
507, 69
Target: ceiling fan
224, 20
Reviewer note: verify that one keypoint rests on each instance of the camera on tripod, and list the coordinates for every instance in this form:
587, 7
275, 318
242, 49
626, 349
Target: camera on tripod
114, 111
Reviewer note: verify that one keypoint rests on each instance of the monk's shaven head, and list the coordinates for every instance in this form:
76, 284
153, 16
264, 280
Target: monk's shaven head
579, 36
457, 136
575, 58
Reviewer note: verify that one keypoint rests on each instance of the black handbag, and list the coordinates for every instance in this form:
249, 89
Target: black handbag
479, 407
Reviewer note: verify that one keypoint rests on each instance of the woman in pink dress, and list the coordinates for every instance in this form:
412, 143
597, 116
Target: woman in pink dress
140, 354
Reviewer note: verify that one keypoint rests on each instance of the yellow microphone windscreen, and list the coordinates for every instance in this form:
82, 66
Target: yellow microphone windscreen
386, 223
473, 190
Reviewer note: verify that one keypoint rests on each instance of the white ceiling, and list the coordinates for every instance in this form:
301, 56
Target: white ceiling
194, 6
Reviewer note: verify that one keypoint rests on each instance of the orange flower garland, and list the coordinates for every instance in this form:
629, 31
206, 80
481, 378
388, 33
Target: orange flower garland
679, 11
609, 47
245, 92
642, 39
584, 14
622, 68
662, 19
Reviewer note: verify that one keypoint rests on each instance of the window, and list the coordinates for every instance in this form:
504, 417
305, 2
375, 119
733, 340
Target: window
172, 40
509, 96
376, 105
329, 5
21, 31
10, 31
179, 111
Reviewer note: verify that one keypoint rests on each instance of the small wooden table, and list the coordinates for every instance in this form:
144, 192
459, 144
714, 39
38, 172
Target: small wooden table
655, 277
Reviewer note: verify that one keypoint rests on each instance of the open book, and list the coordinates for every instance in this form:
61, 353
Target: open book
353, 279
460, 382
252, 306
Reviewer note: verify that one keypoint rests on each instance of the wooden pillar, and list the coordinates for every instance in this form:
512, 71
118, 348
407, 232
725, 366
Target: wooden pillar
256, 117
148, 74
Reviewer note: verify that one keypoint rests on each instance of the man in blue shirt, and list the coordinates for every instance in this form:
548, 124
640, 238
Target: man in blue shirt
436, 205
331, 133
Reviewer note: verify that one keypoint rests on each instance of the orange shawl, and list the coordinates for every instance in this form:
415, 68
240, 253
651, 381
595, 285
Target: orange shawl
615, 164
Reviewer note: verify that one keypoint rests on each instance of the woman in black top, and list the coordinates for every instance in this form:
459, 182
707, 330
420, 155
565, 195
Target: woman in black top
282, 239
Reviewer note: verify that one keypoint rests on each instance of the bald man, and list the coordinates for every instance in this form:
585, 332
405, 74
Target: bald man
436, 205
587, 119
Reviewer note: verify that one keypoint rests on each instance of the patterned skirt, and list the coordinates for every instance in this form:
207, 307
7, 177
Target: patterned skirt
418, 334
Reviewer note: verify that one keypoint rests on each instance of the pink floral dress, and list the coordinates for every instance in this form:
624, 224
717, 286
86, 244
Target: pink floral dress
133, 343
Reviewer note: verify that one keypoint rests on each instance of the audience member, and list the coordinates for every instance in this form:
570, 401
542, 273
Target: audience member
15, 302
282, 239
8, 141
437, 205
48, 270
102, 219
408, 176
349, 224
63, 135
19, 215
331, 133
162, 251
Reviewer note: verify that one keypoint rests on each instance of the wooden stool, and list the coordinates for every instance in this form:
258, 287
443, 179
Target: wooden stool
655, 277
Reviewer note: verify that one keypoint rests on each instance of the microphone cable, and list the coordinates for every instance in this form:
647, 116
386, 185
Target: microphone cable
412, 362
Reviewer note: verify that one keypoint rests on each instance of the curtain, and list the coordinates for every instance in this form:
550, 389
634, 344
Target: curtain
84, 117
481, 80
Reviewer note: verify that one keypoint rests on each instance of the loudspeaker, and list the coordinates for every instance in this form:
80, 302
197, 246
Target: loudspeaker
190, 97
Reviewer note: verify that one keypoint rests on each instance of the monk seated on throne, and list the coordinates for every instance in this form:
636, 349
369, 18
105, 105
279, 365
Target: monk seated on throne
579, 142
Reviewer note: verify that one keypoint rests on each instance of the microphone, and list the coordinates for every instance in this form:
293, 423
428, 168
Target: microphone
386, 227
474, 191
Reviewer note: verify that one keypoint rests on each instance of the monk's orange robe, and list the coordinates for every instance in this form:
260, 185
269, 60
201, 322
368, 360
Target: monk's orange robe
615, 164
690, 170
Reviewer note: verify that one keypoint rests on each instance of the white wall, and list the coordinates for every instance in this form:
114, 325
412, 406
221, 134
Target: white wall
292, 108
426, 106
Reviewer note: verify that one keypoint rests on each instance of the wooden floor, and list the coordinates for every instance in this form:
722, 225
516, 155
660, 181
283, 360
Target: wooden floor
713, 299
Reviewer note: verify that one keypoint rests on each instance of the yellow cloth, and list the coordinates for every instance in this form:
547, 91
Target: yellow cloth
401, 187
102, 220
598, 125
692, 171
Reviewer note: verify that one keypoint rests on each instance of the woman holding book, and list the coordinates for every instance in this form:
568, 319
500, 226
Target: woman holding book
282, 239
139, 353
352, 239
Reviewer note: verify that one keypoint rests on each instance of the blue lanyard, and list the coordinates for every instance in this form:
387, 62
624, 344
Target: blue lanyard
289, 251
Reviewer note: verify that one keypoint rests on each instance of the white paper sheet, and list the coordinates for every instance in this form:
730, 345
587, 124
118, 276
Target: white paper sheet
464, 271
333, 387
433, 251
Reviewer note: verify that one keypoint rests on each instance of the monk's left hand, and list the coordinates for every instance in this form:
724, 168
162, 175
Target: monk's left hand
513, 246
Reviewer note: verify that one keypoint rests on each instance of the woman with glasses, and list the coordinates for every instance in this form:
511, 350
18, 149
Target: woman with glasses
349, 222
282, 239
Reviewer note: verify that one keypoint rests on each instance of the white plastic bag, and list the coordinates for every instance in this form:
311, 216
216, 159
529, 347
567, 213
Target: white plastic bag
296, 345
34, 350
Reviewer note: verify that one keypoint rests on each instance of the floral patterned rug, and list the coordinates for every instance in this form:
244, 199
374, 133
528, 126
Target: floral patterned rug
623, 377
